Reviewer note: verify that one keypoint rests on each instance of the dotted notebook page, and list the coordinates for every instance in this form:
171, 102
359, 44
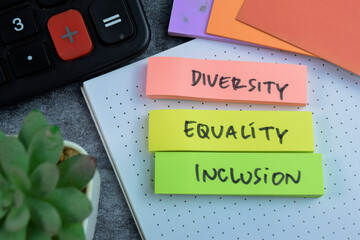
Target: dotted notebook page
120, 109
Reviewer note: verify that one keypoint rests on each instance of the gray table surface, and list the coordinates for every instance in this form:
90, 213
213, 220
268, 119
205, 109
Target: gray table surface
66, 108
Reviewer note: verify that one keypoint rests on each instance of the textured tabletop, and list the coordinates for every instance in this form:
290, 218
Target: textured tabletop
66, 108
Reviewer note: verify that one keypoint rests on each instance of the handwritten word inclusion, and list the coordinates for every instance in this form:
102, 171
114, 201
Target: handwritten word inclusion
258, 175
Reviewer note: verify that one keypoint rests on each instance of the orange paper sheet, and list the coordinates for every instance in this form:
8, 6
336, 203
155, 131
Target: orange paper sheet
223, 23
226, 81
326, 28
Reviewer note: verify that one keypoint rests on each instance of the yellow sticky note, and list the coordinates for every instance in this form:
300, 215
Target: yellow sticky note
235, 131
251, 174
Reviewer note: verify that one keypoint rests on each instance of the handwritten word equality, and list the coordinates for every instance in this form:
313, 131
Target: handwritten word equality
248, 131
258, 175
223, 82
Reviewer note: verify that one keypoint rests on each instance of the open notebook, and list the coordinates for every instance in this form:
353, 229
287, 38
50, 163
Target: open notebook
120, 110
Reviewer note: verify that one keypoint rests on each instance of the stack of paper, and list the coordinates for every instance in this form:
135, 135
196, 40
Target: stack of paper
327, 29
216, 20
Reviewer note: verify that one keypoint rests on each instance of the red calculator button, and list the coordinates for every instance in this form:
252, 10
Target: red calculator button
70, 35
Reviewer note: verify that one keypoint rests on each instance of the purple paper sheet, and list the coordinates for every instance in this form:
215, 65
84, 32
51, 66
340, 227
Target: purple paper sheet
189, 18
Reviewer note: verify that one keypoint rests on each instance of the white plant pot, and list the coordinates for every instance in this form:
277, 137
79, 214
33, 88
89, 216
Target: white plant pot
92, 192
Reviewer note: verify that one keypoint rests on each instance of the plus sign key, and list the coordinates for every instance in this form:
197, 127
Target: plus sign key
69, 34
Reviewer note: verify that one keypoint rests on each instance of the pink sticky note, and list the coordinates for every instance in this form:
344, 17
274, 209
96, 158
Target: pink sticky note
226, 81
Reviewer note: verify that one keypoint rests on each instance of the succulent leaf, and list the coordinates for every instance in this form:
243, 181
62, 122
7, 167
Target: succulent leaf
7, 198
35, 233
46, 146
18, 198
44, 216
18, 178
13, 153
3, 211
17, 218
44, 179
34, 121
19, 235
71, 232
77, 171
3, 182
72, 204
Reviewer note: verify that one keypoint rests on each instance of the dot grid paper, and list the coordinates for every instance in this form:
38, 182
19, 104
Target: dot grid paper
120, 109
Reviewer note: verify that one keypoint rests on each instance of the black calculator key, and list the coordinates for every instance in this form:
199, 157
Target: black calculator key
9, 3
17, 25
50, 3
2, 77
29, 59
112, 20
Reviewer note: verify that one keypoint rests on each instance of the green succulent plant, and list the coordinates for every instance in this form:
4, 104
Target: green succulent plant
39, 198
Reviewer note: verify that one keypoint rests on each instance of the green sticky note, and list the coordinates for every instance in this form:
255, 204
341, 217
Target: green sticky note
230, 131
250, 174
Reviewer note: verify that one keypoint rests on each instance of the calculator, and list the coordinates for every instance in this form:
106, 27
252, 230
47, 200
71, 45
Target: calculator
45, 44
